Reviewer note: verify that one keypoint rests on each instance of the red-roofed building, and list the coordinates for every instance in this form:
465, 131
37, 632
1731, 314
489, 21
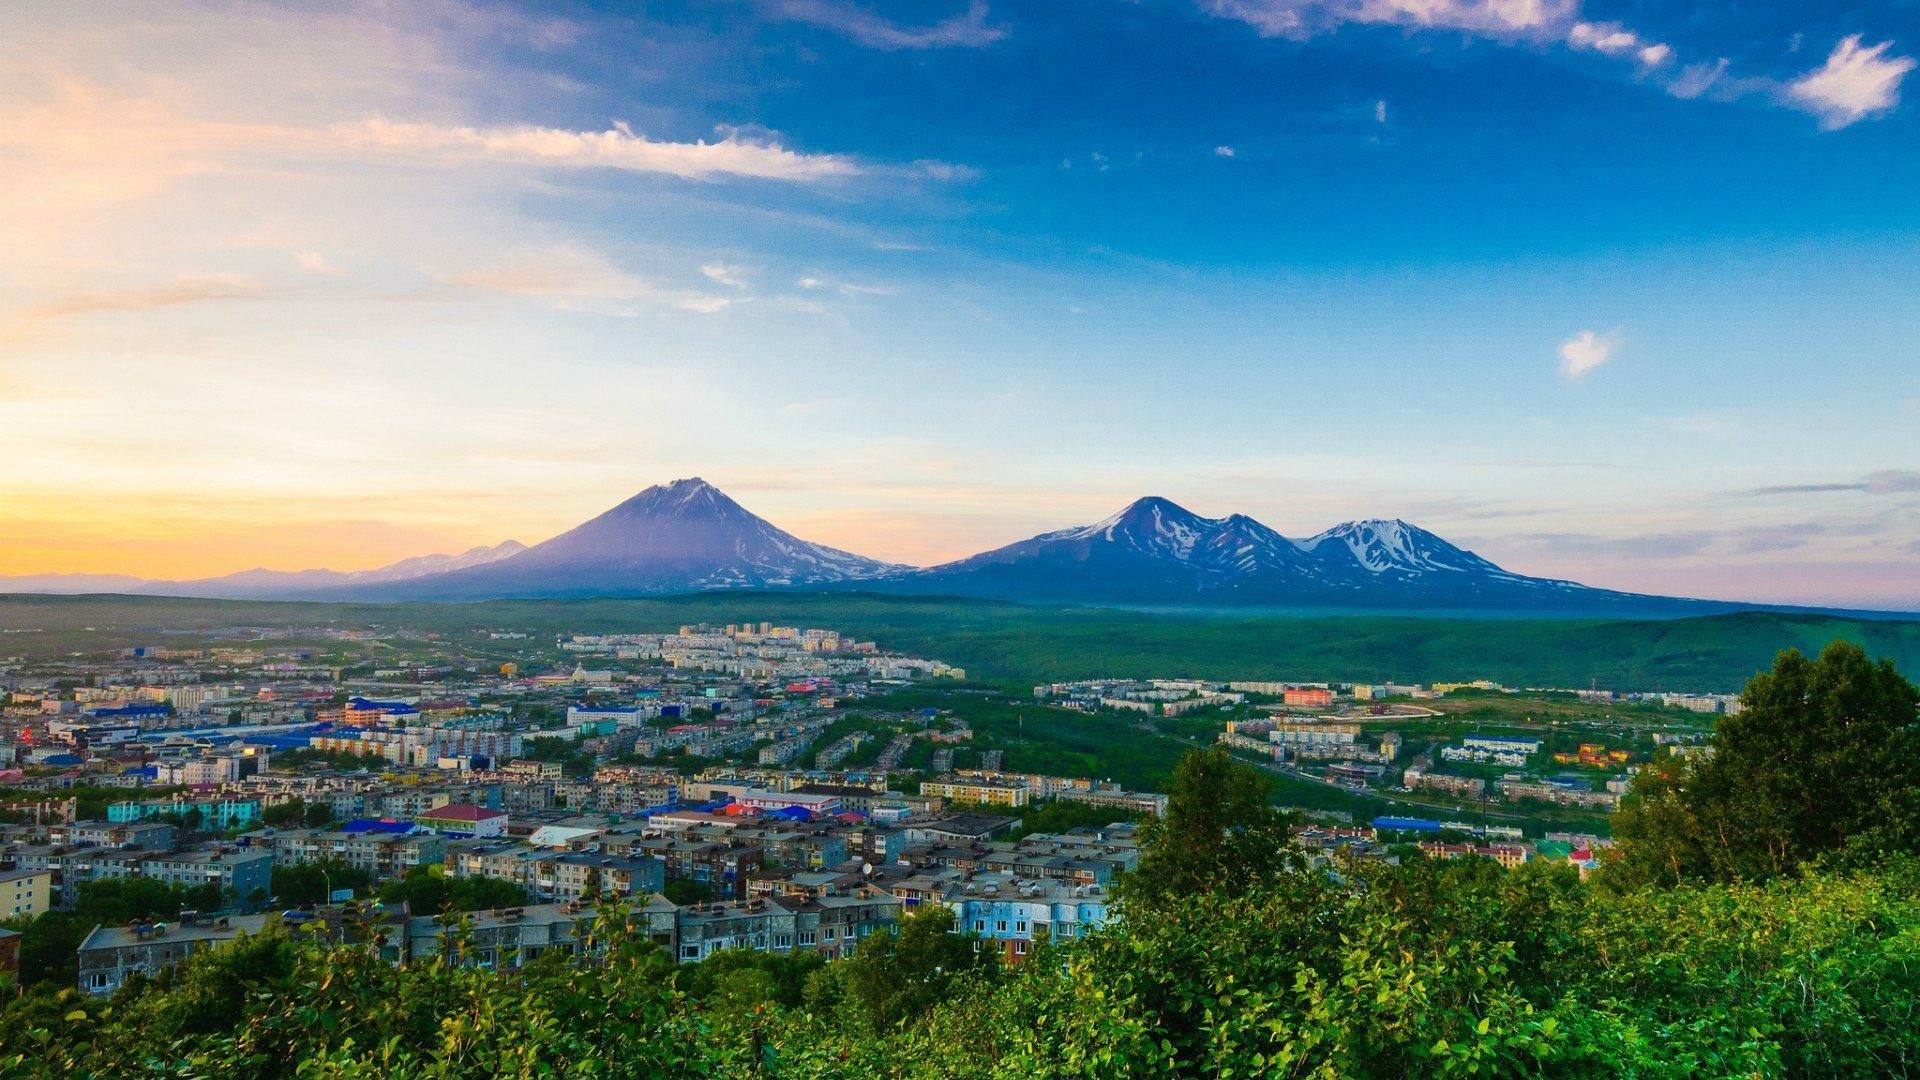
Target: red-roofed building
464, 819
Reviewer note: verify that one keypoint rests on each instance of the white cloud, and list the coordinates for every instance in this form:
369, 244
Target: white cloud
845, 288
1695, 80
313, 262
1853, 84
574, 279
1304, 18
723, 274
1223, 151
1612, 39
616, 148
1585, 351
969, 29
1380, 111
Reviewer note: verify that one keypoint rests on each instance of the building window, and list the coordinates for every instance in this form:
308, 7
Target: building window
1020, 927
1000, 926
1019, 948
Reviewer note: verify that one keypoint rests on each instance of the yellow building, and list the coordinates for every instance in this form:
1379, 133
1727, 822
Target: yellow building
978, 792
25, 893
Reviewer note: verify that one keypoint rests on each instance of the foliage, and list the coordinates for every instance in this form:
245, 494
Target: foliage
49, 941
574, 761
1432, 969
898, 974
683, 891
297, 813
310, 882
1220, 835
1060, 815
429, 890
1822, 760
1028, 644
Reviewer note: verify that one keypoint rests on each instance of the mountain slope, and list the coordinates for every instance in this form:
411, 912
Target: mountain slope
1157, 552
261, 583
678, 537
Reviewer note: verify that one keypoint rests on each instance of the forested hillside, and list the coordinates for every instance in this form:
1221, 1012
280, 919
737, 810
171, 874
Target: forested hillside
1013, 643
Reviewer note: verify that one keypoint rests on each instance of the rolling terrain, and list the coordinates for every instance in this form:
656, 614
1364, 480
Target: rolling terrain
1013, 644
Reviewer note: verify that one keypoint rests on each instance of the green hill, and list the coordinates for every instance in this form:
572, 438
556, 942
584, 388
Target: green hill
1019, 644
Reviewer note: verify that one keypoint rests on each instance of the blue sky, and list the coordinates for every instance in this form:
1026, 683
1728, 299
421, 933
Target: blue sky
1618, 292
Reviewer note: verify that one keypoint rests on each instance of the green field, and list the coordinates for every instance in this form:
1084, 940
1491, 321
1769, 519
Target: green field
1014, 644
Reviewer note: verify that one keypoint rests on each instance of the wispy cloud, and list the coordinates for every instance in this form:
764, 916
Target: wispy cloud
969, 29
1223, 151
1685, 544
180, 292
1856, 82
845, 288
617, 147
721, 273
577, 280
1612, 39
1305, 18
1585, 351
1883, 482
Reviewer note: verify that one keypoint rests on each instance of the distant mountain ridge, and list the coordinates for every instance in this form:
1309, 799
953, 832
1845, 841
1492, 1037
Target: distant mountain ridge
688, 536
260, 582
1157, 552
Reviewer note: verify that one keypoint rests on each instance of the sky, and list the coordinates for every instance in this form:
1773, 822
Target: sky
1627, 292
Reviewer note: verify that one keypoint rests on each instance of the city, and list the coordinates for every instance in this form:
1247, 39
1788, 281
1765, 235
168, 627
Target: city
743, 786
956, 539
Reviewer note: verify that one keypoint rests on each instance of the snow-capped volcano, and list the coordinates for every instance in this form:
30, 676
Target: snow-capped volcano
1156, 551
679, 537
1394, 547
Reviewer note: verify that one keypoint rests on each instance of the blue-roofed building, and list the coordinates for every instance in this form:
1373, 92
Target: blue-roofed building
377, 825
1405, 824
389, 708
134, 712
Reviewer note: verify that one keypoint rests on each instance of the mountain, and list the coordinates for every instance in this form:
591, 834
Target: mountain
688, 536
1153, 551
69, 583
1157, 552
260, 583
680, 537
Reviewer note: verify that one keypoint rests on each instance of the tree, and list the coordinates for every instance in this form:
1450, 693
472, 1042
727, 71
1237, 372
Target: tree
1822, 761
286, 815
1221, 832
427, 890
309, 883
900, 973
